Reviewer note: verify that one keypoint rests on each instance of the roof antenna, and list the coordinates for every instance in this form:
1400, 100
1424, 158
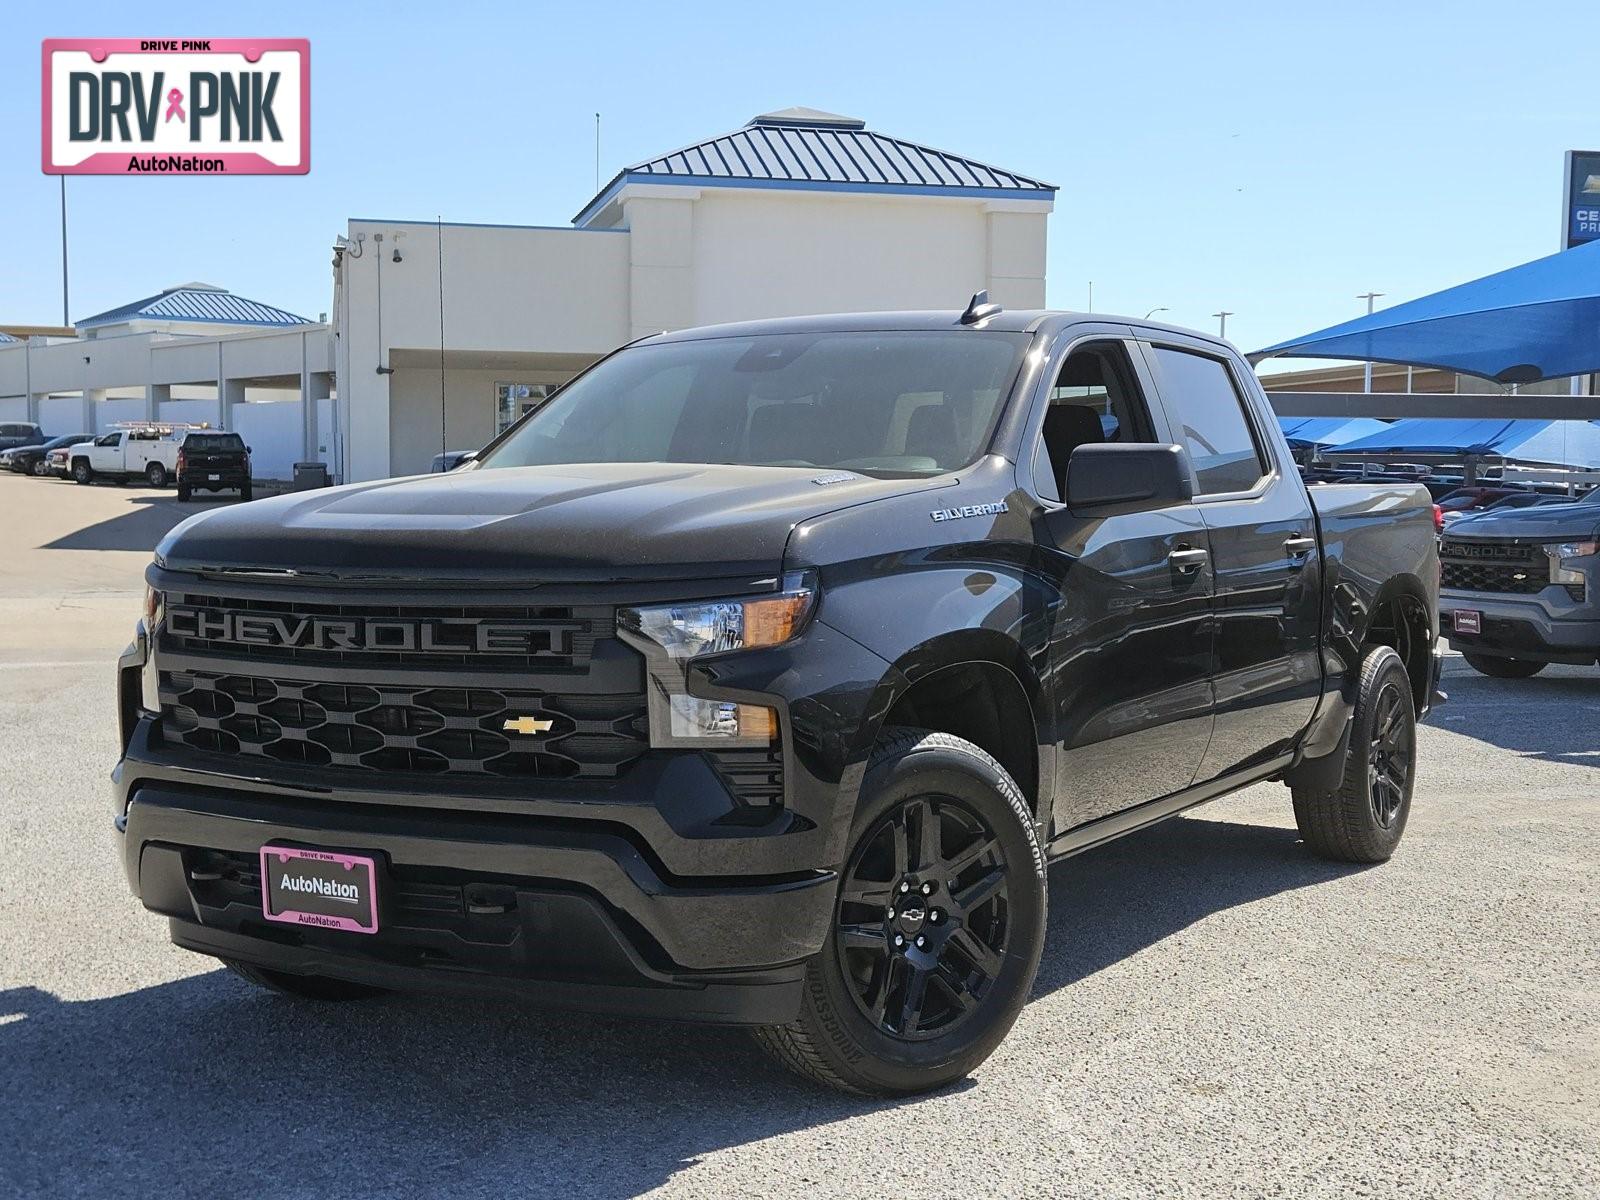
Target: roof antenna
979, 309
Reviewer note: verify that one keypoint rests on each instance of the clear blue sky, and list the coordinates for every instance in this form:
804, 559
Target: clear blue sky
1250, 157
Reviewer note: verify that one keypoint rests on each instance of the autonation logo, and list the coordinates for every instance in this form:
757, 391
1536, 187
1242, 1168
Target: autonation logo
164, 106
327, 889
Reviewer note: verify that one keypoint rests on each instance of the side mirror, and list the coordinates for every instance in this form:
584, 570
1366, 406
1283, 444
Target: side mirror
1108, 478
471, 456
249, 450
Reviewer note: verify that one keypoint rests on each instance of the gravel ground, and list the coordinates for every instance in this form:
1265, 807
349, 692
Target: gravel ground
1217, 1014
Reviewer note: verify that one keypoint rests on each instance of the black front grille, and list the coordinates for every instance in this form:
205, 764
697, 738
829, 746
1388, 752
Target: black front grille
1493, 577
1504, 567
407, 730
545, 638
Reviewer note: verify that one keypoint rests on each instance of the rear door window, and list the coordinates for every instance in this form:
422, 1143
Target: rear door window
1208, 411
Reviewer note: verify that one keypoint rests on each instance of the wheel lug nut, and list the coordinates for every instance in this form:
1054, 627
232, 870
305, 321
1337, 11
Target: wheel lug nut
891, 914
927, 889
899, 940
904, 886
936, 916
921, 942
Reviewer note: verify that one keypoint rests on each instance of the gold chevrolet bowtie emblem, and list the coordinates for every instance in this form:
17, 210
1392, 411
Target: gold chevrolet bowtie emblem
527, 725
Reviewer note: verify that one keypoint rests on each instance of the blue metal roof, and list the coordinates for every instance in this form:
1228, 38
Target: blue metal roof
802, 148
1310, 432
195, 302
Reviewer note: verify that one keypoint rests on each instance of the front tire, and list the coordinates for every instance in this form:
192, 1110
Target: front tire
41, 469
945, 858
303, 987
82, 473
1362, 819
1497, 667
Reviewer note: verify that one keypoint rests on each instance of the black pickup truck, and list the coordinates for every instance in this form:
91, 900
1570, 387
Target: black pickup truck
757, 677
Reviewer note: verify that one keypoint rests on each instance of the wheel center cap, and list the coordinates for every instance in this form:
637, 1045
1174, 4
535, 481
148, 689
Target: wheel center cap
909, 920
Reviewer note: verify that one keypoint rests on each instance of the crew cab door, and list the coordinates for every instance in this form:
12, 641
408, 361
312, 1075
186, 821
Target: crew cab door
1264, 552
1130, 643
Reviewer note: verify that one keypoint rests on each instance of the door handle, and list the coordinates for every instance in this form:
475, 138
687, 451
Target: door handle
1186, 560
1299, 547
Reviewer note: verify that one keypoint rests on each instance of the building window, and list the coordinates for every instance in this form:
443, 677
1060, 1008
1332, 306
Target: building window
513, 400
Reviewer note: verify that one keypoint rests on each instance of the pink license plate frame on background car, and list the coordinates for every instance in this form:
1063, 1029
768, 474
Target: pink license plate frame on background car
323, 889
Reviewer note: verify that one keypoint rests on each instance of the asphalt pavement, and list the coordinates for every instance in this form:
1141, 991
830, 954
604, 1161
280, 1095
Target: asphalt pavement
1218, 1013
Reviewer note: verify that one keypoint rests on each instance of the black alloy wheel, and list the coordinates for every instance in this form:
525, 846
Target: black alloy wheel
937, 929
922, 919
1390, 754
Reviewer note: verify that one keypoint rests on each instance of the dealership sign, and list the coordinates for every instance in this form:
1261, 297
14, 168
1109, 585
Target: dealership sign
156, 106
1580, 207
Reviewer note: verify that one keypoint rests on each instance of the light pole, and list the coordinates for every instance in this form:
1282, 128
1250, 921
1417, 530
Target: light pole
1222, 323
1366, 374
65, 320
1154, 311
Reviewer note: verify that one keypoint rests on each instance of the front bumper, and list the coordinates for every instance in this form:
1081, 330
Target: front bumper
571, 918
1522, 627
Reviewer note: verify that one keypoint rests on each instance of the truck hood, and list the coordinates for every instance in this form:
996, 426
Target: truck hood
588, 522
1545, 523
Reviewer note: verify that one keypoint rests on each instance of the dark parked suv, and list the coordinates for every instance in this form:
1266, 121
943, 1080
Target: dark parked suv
757, 677
211, 460
19, 433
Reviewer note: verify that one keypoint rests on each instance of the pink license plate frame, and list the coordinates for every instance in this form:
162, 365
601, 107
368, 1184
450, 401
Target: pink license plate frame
358, 922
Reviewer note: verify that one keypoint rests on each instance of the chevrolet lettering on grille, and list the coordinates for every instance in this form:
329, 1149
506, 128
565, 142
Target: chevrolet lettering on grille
440, 636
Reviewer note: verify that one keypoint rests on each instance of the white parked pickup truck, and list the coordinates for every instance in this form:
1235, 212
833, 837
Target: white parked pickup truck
150, 453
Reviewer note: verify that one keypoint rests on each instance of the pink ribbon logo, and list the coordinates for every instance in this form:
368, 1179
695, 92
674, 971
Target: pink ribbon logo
174, 106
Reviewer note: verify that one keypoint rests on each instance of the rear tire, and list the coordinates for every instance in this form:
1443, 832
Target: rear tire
1362, 819
156, 474
183, 493
82, 473
1497, 667
303, 987
246, 492
944, 841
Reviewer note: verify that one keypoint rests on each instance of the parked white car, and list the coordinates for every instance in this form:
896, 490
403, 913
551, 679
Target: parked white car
148, 453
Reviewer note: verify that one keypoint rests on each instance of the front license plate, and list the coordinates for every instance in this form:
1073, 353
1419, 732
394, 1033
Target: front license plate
1466, 620
319, 887
213, 478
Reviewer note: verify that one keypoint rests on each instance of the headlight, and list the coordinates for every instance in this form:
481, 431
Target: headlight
672, 634
714, 626
1561, 552
149, 678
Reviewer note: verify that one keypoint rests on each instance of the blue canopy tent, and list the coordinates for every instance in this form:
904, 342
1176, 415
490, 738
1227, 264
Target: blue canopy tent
1469, 441
1320, 433
1537, 321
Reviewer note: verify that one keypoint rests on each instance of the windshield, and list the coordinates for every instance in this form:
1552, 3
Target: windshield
895, 403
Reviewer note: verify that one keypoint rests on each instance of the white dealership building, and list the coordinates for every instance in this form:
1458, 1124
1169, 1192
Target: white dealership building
797, 212
443, 333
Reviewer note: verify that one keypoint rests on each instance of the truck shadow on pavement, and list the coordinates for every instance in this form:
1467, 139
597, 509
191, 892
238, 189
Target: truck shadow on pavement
206, 1086
1551, 717
144, 522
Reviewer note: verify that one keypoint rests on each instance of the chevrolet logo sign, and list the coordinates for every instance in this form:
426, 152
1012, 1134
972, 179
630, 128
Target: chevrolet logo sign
527, 725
